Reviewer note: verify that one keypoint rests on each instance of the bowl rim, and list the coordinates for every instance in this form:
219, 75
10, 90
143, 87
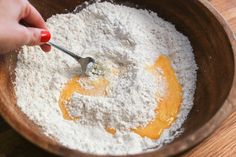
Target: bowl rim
173, 148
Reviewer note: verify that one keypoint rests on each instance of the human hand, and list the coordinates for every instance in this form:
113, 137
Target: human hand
14, 35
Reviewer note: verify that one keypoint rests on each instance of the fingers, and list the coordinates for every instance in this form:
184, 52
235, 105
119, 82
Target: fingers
45, 47
13, 35
38, 35
32, 17
32, 36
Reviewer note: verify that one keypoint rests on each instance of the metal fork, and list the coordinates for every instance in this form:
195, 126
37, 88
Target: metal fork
84, 62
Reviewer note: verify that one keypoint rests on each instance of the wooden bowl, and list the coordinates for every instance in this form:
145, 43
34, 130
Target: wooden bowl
214, 49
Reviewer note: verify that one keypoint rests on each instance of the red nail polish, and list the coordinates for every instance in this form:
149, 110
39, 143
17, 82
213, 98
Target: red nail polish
45, 36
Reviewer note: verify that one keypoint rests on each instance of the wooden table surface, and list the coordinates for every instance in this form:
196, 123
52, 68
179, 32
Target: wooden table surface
221, 143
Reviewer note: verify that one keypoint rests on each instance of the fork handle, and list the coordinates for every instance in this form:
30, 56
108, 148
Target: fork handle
64, 50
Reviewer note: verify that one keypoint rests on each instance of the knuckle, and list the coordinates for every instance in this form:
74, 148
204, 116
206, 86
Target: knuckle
34, 38
24, 4
26, 36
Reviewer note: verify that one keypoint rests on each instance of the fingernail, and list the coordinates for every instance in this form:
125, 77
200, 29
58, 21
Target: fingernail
45, 36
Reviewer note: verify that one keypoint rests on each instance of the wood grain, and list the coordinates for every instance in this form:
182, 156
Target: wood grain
14, 145
223, 141
227, 8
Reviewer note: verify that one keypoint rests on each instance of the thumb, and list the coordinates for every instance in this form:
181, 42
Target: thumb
37, 36
34, 36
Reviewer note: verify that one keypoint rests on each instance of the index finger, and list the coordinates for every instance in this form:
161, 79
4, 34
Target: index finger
32, 17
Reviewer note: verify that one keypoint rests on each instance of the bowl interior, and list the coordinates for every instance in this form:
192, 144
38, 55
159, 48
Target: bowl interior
212, 49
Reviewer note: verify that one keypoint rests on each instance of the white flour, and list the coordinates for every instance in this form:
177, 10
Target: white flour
130, 101
123, 38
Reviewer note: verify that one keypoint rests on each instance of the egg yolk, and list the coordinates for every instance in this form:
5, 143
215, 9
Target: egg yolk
111, 130
168, 108
97, 88
166, 111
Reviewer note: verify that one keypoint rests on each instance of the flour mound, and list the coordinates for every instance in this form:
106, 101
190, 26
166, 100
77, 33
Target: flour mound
122, 38
130, 102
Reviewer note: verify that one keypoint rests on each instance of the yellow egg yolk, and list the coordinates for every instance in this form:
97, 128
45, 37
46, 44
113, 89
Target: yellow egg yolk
168, 108
98, 88
166, 111
111, 130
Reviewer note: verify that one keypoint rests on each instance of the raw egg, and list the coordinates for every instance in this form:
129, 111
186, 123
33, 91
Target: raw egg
166, 111
97, 88
168, 108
